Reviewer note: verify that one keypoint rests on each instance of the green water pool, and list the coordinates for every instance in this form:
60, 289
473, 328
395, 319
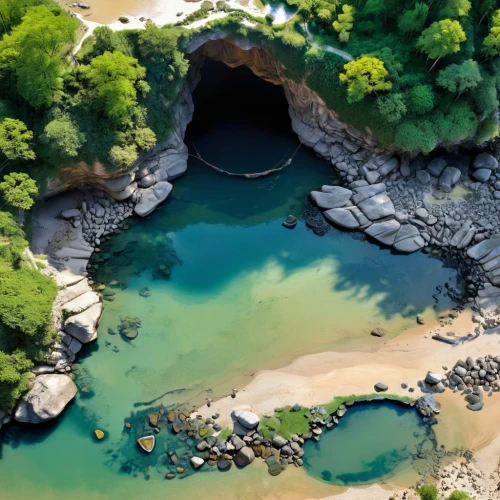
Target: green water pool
231, 291
372, 442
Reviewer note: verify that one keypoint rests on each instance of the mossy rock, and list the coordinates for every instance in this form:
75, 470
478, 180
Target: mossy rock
207, 6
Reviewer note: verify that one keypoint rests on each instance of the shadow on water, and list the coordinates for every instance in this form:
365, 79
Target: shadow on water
215, 227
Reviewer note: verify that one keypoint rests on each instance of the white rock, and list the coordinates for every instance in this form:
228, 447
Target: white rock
83, 326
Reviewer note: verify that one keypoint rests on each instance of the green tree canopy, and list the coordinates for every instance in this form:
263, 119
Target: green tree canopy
19, 190
15, 140
116, 79
33, 52
392, 107
413, 20
491, 44
420, 99
363, 76
456, 8
14, 381
344, 23
428, 492
62, 135
460, 78
440, 39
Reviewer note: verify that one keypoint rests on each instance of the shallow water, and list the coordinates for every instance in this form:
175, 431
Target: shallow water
232, 291
373, 441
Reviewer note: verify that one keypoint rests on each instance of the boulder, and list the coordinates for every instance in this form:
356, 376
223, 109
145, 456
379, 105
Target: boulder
377, 207
449, 177
244, 457
71, 213
378, 332
335, 198
380, 387
196, 462
152, 197
433, 378
485, 160
481, 174
389, 166
81, 303
372, 176
436, 166
173, 164
342, 217
46, 399
279, 442
423, 177
246, 418
83, 326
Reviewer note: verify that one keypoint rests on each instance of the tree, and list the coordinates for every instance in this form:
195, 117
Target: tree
19, 190
456, 8
116, 79
344, 23
363, 76
420, 99
63, 136
33, 52
123, 156
105, 40
413, 20
416, 136
14, 141
392, 107
145, 138
459, 495
428, 492
491, 44
460, 78
440, 39
14, 380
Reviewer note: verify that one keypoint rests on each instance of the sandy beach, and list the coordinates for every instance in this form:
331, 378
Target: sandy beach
317, 378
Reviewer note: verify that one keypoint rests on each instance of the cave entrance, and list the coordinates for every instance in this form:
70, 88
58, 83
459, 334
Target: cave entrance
240, 122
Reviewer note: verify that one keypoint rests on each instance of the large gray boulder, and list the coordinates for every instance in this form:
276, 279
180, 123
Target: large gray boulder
362, 193
172, 164
81, 303
436, 166
152, 197
485, 160
342, 217
244, 457
481, 174
449, 177
336, 197
83, 326
46, 399
377, 207
247, 419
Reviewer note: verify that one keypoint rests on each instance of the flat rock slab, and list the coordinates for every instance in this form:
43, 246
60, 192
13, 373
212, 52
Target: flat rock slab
336, 197
81, 303
377, 207
384, 232
46, 399
83, 326
342, 217
408, 239
152, 197
362, 193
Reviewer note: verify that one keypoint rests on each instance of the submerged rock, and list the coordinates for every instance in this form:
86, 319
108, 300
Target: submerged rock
46, 399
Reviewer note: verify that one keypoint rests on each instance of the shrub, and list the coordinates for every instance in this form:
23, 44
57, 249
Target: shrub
14, 380
428, 492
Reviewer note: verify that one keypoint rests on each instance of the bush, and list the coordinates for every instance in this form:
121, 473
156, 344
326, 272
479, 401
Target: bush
459, 495
428, 492
207, 6
14, 379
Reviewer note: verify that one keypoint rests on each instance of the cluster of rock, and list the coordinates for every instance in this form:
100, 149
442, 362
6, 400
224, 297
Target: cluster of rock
472, 377
464, 477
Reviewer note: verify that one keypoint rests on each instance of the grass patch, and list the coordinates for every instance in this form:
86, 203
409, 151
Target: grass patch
286, 422
224, 434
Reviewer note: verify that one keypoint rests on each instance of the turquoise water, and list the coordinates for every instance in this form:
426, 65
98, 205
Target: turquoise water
371, 443
231, 291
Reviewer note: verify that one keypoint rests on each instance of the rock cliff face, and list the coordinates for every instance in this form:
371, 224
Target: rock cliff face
316, 125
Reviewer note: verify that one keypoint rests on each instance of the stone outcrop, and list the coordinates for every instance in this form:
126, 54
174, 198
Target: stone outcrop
46, 399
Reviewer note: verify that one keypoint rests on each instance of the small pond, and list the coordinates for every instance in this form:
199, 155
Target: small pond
372, 442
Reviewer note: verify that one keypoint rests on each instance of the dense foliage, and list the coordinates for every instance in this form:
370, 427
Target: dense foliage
26, 298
